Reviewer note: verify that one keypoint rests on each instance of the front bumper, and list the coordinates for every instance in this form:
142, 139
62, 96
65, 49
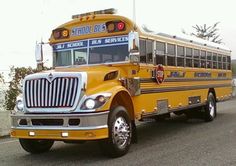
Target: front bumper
89, 126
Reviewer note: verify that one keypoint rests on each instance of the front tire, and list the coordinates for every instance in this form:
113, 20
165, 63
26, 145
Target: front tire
210, 108
36, 146
120, 133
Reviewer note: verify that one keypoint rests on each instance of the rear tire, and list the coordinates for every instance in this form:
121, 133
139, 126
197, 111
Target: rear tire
120, 133
36, 146
210, 108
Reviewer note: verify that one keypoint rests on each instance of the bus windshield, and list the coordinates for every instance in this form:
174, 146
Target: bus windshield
92, 51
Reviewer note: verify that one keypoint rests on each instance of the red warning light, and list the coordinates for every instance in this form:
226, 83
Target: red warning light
115, 26
120, 26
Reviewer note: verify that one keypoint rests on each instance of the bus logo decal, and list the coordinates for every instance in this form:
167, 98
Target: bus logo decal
50, 77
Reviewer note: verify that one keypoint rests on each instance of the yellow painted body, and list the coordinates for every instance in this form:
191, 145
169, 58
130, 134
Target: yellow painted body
57, 134
140, 104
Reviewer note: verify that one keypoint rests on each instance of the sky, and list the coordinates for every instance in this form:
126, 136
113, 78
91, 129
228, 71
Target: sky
23, 22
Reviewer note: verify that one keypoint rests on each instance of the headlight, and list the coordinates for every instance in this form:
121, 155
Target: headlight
95, 101
19, 105
90, 103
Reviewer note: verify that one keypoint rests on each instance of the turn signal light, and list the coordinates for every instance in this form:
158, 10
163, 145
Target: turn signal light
60, 33
115, 26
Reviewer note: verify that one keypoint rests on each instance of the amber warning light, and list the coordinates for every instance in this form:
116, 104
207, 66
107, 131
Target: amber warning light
60, 33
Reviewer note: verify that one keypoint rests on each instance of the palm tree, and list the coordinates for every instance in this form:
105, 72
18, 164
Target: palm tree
207, 32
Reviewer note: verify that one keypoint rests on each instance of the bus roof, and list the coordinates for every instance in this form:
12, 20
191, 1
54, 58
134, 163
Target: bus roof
186, 38
109, 14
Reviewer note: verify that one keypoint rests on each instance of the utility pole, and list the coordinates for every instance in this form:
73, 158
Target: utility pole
134, 14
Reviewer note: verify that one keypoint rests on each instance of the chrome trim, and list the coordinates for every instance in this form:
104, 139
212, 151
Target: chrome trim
31, 92
50, 95
87, 121
61, 128
39, 93
46, 92
58, 86
28, 98
43, 84
81, 81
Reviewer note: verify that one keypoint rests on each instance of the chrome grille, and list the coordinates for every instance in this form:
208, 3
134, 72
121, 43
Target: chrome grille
60, 92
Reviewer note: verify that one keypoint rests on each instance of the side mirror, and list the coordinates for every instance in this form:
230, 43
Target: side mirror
133, 42
134, 46
39, 53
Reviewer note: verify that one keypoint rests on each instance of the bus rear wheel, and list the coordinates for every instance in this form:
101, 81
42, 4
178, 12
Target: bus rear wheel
210, 108
36, 146
120, 133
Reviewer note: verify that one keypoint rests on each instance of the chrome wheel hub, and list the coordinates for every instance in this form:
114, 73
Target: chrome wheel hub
212, 108
121, 132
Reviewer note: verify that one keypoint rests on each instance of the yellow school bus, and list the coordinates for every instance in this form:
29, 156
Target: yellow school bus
109, 73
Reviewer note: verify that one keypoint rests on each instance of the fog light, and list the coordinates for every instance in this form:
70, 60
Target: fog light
31, 133
64, 134
19, 104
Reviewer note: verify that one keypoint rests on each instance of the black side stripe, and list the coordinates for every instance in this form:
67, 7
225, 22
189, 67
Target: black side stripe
183, 88
150, 80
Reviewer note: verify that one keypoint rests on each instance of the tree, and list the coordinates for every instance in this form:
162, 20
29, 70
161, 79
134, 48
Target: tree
1, 78
15, 85
2, 91
210, 33
17, 75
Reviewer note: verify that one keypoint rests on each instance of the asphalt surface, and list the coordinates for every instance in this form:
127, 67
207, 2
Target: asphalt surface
177, 141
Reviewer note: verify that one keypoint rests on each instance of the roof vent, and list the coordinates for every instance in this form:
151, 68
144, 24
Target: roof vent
105, 11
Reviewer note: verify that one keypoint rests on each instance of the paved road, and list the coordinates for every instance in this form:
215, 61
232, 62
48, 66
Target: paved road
172, 142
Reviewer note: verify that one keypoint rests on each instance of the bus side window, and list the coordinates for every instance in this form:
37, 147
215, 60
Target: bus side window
180, 56
160, 53
189, 57
219, 61
143, 51
209, 60
203, 59
214, 61
149, 51
228, 62
196, 56
171, 54
224, 62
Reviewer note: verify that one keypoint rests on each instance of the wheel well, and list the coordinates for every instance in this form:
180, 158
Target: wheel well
212, 90
123, 98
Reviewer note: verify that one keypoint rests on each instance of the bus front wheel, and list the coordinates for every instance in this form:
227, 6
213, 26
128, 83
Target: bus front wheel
36, 146
210, 108
120, 133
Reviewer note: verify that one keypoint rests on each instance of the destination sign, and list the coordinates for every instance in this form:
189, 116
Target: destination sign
71, 45
115, 40
109, 41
